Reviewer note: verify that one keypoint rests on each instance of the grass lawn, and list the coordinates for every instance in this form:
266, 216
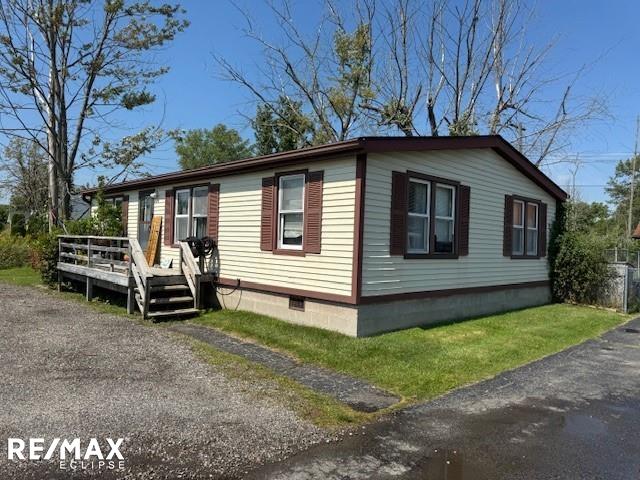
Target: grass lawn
421, 363
24, 276
104, 301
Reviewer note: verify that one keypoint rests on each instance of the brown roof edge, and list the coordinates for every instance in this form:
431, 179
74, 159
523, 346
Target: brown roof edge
356, 145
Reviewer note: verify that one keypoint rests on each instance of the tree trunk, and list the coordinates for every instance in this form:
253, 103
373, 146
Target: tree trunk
67, 186
54, 194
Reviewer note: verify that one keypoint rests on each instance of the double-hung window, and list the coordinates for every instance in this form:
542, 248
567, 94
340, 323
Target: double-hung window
191, 212
532, 229
418, 216
431, 217
518, 227
527, 220
291, 211
444, 215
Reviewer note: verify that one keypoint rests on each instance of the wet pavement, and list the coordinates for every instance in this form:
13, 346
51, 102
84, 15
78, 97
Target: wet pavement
574, 415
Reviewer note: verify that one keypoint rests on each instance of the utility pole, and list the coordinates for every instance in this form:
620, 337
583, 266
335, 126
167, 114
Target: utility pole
633, 178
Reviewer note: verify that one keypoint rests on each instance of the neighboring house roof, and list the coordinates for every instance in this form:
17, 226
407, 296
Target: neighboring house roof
355, 146
636, 232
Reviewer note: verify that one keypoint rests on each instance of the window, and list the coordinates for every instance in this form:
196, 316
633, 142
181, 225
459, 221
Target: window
532, 229
431, 217
418, 217
115, 201
199, 209
445, 207
291, 211
518, 228
191, 212
527, 218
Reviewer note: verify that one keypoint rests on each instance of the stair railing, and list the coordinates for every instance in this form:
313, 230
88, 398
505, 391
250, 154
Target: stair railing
190, 269
141, 275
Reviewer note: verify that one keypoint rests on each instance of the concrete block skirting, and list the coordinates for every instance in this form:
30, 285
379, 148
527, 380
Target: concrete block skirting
370, 319
330, 316
384, 317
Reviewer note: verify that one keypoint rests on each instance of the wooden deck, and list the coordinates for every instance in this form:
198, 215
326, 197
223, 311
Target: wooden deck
119, 264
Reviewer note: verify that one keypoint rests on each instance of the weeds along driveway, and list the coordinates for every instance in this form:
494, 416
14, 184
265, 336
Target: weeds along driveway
69, 371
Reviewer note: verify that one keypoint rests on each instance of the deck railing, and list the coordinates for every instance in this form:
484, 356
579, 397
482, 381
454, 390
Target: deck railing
104, 253
190, 269
120, 261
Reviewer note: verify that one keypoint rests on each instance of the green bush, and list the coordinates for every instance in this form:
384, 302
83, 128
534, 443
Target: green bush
580, 272
18, 226
37, 225
105, 221
14, 252
45, 256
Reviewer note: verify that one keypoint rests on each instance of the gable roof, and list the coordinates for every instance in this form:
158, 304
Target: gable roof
636, 233
354, 146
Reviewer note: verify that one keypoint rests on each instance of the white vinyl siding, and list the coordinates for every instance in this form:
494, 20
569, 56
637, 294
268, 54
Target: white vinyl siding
490, 178
239, 231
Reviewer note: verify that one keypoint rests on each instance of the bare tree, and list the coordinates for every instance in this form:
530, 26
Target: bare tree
328, 71
67, 66
437, 67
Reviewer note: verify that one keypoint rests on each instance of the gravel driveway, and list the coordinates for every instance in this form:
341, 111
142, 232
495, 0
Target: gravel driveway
71, 372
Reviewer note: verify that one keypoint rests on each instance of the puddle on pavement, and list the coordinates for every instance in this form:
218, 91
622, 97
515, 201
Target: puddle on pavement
584, 425
442, 464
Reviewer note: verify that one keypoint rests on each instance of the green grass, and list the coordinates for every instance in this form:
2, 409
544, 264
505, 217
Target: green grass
104, 301
23, 276
421, 363
322, 410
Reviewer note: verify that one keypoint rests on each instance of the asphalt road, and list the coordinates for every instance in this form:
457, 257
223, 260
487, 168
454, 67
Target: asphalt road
68, 371
574, 415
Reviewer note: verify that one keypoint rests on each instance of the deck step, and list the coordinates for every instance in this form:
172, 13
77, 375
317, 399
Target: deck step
169, 288
167, 300
173, 313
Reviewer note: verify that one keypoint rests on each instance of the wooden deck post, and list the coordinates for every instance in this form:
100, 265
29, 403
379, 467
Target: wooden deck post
131, 300
89, 289
147, 297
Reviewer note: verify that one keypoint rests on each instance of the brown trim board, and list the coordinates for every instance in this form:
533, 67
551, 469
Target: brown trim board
355, 146
394, 297
260, 287
358, 229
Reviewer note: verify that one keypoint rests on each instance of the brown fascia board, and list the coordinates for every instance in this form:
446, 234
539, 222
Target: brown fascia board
354, 146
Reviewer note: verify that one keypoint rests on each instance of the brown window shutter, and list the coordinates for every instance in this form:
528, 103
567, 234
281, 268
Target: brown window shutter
125, 214
463, 232
213, 211
266, 216
313, 213
398, 239
169, 205
507, 247
542, 229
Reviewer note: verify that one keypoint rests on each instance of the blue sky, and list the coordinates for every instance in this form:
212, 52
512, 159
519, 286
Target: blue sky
603, 35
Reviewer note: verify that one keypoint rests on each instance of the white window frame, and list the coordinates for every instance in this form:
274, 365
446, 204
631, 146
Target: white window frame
181, 215
421, 215
452, 218
530, 228
190, 215
519, 226
192, 211
281, 212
